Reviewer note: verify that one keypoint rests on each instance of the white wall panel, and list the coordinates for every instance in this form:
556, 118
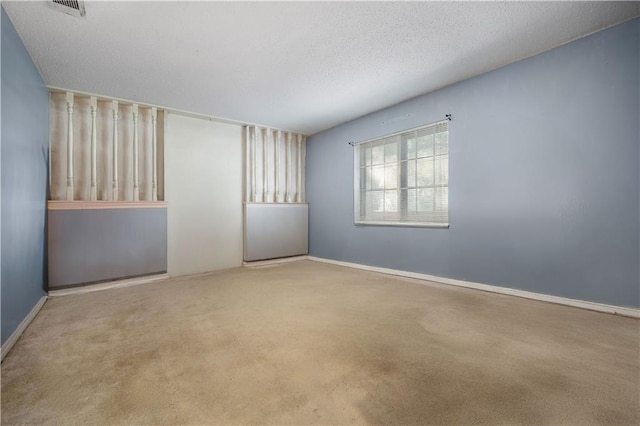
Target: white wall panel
203, 190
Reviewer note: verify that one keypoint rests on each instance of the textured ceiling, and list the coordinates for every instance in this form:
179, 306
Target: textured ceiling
297, 66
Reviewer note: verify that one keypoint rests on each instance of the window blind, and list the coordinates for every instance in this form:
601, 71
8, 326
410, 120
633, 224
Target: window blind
403, 178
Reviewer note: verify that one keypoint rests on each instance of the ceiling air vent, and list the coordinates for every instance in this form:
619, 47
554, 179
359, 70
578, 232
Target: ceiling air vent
71, 7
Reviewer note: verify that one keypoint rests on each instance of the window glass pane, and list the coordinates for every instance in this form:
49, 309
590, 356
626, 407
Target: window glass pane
368, 204
367, 155
411, 173
425, 172
425, 145
411, 146
442, 170
391, 201
425, 200
441, 143
377, 154
368, 178
391, 176
377, 177
442, 199
411, 200
375, 201
391, 152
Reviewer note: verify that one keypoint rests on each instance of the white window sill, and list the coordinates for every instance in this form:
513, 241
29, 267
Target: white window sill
402, 224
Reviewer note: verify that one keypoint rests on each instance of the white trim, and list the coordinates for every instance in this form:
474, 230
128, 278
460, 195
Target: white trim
21, 328
283, 204
95, 205
89, 288
592, 306
258, 263
400, 223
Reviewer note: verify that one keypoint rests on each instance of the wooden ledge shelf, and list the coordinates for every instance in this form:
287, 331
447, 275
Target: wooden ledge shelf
95, 205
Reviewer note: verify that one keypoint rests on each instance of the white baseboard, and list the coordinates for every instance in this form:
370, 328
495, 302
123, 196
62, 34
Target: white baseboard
129, 282
6, 347
592, 306
269, 262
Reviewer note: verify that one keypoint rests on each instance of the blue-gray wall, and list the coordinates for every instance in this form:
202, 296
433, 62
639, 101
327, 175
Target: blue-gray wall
91, 245
25, 138
544, 177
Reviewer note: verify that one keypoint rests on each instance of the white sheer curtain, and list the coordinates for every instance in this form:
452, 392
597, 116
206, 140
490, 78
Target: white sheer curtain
274, 165
104, 150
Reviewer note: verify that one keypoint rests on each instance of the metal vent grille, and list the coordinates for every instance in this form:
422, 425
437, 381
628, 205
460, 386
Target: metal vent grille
71, 7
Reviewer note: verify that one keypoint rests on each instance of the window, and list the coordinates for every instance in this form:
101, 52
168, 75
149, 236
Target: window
403, 178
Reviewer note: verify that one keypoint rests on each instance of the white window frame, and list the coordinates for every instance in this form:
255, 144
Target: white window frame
436, 218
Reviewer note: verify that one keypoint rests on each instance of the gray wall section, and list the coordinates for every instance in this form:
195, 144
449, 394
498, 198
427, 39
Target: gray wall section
25, 137
544, 177
274, 230
104, 244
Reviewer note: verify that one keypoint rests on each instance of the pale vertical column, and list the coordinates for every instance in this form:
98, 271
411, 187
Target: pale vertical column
93, 103
303, 163
254, 146
276, 167
136, 187
247, 164
114, 192
299, 170
50, 188
154, 155
264, 135
70, 182
246, 161
287, 143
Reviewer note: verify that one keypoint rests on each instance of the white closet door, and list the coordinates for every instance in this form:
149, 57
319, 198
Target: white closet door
203, 190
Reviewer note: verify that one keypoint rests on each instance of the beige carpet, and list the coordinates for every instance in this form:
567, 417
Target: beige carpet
311, 343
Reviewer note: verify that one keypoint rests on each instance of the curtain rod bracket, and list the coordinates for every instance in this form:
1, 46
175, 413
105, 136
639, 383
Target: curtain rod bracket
448, 116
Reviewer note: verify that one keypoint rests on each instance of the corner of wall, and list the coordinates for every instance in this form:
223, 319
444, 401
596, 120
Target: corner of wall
23, 164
